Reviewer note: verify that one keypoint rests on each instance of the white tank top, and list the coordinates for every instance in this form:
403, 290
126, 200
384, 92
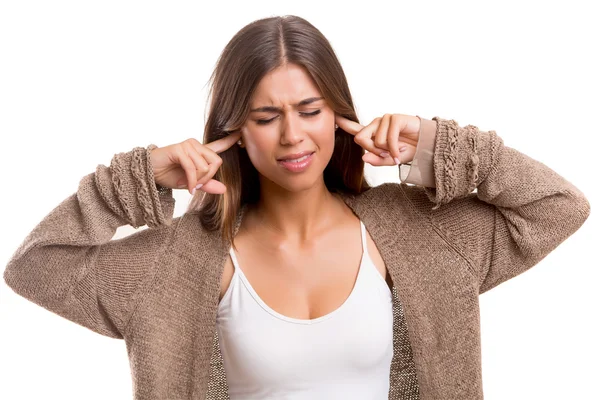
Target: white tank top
345, 354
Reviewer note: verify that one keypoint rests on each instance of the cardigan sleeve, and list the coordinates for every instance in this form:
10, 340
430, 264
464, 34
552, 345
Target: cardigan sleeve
68, 263
503, 210
420, 170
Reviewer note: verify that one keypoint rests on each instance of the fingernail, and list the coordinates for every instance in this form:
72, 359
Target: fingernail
193, 191
401, 149
198, 186
384, 154
396, 160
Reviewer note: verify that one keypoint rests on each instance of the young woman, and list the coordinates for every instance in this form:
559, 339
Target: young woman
290, 277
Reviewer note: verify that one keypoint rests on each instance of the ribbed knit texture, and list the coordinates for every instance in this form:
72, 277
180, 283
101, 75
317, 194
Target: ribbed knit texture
158, 289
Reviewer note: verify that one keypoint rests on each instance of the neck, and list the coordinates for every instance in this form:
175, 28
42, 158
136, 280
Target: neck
296, 216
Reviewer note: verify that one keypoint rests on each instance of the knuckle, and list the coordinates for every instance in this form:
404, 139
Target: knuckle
201, 172
184, 148
189, 146
178, 148
191, 141
190, 169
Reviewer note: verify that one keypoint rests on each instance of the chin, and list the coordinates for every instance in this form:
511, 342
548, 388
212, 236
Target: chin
298, 187
294, 184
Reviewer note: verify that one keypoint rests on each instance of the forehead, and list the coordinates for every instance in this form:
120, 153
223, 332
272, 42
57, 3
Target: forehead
285, 85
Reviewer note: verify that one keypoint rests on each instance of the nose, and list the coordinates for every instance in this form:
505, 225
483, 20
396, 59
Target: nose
291, 131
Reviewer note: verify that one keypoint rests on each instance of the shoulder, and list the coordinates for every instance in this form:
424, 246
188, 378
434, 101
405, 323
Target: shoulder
143, 243
418, 199
171, 235
399, 200
390, 197
190, 236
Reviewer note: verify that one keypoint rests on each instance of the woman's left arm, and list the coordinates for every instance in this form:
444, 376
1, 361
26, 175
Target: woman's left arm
521, 209
534, 208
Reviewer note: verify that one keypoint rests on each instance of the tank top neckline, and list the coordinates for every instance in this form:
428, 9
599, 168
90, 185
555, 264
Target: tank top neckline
265, 306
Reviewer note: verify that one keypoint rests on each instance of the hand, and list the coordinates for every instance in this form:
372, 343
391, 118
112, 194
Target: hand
388, 137
190, 163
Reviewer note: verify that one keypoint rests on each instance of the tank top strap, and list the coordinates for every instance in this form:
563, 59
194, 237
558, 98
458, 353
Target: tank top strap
363, 234
234, 259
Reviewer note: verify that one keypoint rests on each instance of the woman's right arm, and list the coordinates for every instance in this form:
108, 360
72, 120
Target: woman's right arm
68, 263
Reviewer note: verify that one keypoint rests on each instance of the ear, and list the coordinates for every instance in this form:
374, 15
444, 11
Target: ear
240, 142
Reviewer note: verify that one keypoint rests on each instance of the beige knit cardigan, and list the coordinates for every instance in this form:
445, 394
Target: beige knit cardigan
443, 243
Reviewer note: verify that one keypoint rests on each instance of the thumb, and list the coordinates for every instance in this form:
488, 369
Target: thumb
213, 186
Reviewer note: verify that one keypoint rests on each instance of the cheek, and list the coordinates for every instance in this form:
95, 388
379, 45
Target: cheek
327, 131
258, 146
325, 137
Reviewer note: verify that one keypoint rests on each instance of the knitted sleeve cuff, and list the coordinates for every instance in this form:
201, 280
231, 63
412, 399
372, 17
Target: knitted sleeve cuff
129, 190
462, 159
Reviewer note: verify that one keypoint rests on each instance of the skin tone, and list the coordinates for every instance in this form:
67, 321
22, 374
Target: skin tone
295, 206
295, 242
389, 140
289, 116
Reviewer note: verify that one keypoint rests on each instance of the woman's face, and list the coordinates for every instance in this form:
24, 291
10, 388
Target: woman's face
289, 116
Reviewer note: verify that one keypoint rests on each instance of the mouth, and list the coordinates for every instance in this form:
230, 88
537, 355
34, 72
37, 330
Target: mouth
296, 157
298, 164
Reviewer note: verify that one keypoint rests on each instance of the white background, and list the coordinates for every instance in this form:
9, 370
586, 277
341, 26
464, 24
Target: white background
82, 80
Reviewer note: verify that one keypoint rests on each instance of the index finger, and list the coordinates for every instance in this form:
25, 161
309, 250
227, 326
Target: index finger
347, 125
220, 145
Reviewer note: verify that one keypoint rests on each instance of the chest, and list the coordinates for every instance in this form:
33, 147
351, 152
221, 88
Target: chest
303, 284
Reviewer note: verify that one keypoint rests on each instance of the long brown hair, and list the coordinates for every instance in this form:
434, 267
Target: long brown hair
254, 51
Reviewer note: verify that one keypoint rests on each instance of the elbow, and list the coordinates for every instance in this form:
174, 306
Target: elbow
10, 276
580, 208
6, 276
586, 208
14, 280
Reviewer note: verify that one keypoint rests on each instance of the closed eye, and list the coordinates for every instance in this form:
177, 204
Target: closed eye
308, 115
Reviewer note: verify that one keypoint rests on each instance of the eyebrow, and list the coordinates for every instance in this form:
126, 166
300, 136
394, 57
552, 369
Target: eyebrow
277, 109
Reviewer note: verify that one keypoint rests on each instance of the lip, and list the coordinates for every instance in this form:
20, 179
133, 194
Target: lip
294, 156
298, 166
